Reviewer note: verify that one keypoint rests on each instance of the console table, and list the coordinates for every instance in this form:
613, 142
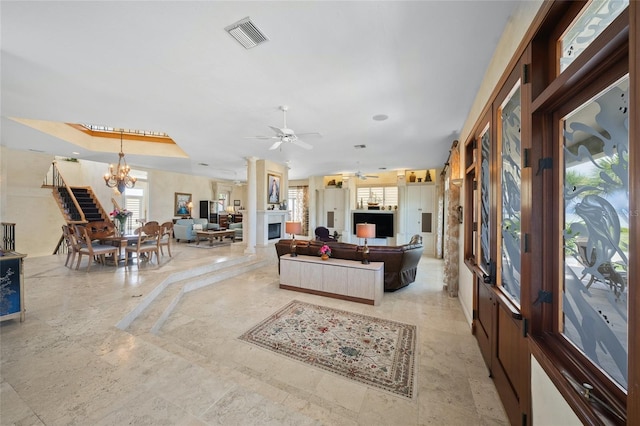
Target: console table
338, 278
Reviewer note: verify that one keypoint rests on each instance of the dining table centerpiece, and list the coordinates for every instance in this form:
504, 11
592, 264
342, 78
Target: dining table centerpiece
121, 216
324, 252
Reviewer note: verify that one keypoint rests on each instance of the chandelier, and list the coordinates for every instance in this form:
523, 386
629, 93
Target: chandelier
119, 177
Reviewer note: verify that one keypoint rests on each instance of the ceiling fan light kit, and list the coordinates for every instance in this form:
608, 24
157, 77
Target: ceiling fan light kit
286, 135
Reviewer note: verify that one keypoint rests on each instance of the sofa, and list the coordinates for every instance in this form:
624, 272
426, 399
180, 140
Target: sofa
183, 228
400, 262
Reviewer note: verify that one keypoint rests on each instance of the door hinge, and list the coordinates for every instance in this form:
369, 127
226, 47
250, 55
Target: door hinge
475, 226
525, 243
526, 73
474, 144
475, 185
544, 163
524, 419
526, 157
543, 297
525, 327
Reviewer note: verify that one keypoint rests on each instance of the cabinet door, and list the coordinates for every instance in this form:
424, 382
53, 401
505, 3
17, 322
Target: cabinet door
334, 208
290, 272
361, 283
421, 214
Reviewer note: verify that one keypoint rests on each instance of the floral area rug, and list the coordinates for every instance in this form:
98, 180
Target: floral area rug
370, 350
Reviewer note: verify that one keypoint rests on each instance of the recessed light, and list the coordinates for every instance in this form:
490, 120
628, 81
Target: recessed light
382, 168
360, 146
380, 117
203, 164
75, 153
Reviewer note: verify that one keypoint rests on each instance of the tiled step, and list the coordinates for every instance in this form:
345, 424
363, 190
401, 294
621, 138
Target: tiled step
154, 309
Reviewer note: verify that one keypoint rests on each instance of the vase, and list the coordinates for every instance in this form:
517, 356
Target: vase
324, 257
412, 177
121, 227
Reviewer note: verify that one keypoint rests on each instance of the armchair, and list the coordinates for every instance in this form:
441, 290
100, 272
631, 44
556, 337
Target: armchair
183, 228
237, 228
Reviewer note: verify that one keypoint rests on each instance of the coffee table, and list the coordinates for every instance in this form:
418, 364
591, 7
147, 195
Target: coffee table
212, 235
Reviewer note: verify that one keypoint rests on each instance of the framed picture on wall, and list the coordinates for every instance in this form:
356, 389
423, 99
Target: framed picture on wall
236, 203
182, 206
273, 189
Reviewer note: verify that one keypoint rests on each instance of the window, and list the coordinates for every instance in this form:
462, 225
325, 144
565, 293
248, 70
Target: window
298, 204
383, 195
596, 229
510, 182
135, 199
594, 19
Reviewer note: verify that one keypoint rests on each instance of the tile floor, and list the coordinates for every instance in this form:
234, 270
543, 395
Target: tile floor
68, 363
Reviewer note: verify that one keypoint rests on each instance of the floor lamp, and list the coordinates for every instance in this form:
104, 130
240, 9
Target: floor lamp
293, 228
365, 230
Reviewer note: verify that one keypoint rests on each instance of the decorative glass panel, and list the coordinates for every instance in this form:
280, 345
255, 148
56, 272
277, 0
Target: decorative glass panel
596, 229
485, 200
511, 182
590, 23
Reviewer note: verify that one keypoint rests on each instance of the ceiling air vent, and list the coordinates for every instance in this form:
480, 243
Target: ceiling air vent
246, 33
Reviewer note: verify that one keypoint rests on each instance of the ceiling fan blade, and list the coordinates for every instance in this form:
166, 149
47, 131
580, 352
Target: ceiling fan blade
309, 134
301, 144
275, 145
278, 131
260, 137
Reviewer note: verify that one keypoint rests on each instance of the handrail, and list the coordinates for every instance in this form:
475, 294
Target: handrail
115, 204
59, 182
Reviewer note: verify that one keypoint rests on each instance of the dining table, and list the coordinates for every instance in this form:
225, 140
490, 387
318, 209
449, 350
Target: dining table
120, 241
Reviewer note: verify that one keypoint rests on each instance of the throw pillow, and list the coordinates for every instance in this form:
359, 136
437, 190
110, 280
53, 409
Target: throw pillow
197, 227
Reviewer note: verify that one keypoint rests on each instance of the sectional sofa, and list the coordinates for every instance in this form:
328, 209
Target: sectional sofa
400, 262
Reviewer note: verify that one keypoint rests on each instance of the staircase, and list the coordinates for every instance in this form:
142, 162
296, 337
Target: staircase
89, 205
77, 204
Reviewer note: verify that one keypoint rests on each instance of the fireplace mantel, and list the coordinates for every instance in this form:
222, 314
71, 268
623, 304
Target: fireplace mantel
263, 219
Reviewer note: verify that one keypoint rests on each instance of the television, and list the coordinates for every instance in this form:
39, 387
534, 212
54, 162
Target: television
383, 222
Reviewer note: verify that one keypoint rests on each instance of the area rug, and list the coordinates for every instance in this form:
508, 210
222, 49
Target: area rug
370, 350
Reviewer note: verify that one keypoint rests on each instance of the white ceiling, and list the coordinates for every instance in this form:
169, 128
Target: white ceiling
169, 66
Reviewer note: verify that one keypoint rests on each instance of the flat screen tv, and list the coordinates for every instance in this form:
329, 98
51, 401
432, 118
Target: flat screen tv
383, 221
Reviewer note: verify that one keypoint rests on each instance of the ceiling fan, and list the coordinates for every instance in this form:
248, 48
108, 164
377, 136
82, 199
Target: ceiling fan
286, 135
362, 176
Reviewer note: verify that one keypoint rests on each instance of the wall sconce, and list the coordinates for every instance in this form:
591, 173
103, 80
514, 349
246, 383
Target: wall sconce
293, 228
365, 230
190, 207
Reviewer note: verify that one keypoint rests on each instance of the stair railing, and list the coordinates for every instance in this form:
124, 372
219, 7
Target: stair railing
8, 236
58, 182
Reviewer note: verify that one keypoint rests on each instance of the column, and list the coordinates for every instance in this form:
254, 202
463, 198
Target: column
249, 224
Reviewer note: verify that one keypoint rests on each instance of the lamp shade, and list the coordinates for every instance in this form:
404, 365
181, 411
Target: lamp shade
365, 230
293, 227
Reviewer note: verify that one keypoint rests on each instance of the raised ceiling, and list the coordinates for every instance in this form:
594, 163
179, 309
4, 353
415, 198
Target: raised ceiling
170, 66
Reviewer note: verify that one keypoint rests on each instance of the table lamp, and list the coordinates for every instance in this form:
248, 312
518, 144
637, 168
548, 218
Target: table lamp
293, 228
365, 230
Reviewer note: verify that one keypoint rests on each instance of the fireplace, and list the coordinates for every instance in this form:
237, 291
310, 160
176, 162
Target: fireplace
270, 226
274, 231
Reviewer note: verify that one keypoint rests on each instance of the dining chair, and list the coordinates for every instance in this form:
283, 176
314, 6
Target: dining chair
166, 236
71, 247
148, 242
95, 252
